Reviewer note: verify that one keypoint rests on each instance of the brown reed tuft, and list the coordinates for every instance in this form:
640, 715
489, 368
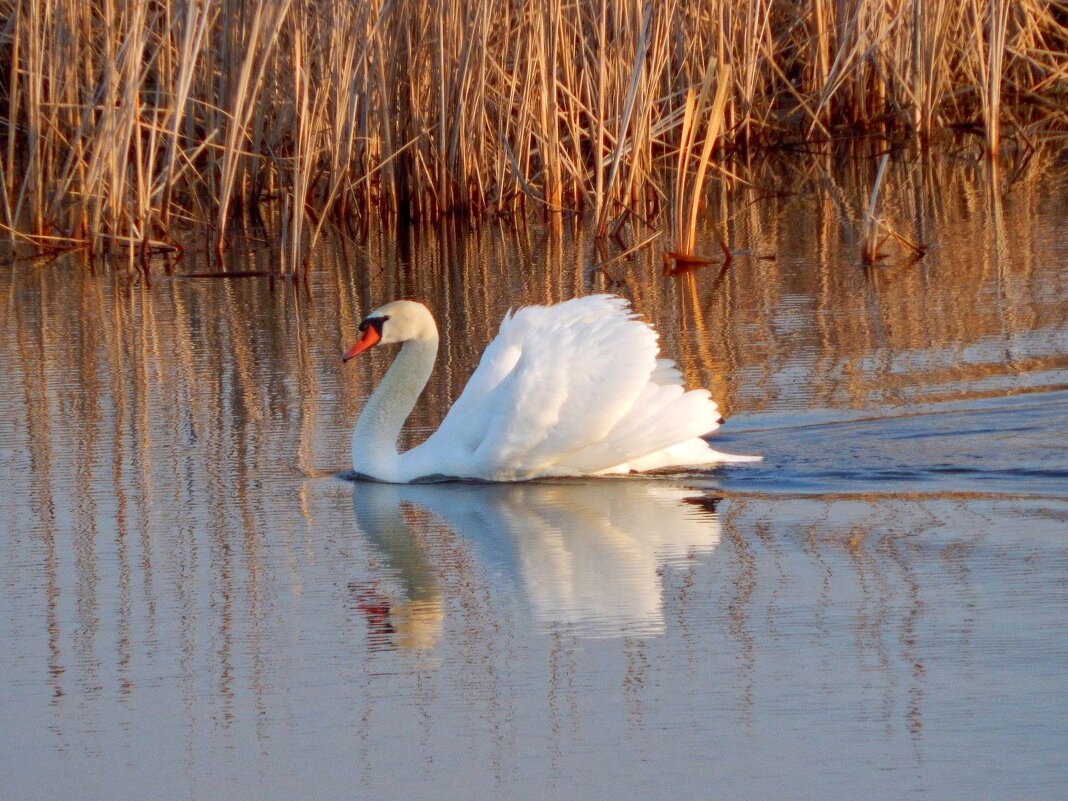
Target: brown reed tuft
128, 124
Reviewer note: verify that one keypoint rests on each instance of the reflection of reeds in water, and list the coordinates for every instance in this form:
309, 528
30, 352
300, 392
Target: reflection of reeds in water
860, 568
127, 122
161, 436
203, 364
920, 317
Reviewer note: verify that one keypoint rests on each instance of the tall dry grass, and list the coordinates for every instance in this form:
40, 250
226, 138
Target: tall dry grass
127, 123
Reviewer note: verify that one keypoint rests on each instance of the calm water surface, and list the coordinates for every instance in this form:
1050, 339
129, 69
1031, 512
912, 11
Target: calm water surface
194, 604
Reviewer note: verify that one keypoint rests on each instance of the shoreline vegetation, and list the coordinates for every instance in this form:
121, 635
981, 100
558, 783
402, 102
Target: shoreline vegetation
129, 124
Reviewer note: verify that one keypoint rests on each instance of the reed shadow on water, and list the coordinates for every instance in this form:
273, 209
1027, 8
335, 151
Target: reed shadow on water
191, 602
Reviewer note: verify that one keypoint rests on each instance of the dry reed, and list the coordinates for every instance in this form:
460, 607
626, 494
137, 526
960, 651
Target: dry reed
128, 124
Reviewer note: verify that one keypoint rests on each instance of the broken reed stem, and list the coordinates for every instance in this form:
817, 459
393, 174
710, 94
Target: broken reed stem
869, 249
126, 121
870, 241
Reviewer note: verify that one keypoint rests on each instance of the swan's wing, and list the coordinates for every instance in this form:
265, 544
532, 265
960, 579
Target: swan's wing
568, 388
555, 379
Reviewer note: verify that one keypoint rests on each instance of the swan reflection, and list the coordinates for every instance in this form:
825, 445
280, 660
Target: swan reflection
586, 556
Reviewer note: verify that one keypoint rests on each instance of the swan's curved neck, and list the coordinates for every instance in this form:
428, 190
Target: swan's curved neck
374, 440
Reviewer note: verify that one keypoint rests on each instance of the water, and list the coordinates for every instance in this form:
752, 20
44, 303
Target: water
193, 604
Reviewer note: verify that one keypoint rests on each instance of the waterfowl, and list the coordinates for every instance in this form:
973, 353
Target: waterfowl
572, 389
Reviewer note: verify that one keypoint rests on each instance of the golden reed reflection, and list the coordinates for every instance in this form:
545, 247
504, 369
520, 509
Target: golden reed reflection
154, 416
157, 423
34, 415
871, 554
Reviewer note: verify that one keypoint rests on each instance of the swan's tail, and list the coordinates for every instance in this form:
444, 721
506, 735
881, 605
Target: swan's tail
692, 453
720, 456
664, 430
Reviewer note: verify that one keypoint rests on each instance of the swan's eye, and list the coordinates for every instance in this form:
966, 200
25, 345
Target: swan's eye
373, 322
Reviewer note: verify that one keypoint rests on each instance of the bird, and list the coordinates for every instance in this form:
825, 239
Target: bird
572, 389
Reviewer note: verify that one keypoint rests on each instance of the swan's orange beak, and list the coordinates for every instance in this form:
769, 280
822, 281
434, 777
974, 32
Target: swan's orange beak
368, 340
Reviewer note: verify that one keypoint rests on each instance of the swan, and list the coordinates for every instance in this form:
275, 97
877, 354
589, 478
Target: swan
571, 389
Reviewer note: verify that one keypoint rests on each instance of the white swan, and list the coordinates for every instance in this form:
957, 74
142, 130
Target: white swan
572, 389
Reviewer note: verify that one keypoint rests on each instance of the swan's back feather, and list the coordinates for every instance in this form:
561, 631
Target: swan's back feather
570, 389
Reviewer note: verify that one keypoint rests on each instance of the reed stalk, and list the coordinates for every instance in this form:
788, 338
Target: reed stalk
869, 250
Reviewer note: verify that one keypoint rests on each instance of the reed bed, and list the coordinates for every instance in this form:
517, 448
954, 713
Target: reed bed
129, 125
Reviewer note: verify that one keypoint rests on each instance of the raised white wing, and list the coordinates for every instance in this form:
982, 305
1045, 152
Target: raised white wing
573, 388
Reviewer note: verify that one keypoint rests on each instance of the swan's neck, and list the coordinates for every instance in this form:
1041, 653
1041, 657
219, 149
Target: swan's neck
374, 440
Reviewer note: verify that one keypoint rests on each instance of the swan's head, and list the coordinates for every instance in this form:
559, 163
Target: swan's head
398, 321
